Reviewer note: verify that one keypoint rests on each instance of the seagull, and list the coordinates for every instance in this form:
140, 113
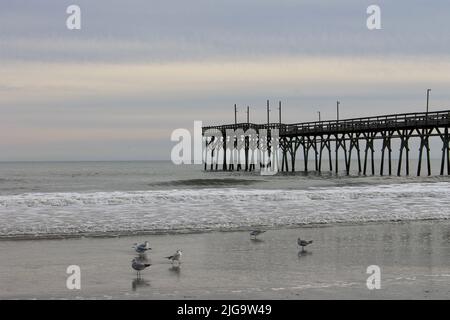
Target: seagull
303, 243
176, 256
141, 248
139, 265
255, 233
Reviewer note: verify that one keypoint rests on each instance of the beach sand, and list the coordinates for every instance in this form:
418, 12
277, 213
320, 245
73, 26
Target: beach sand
414, 258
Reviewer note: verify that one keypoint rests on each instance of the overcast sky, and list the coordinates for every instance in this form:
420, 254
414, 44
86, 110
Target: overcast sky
137, 70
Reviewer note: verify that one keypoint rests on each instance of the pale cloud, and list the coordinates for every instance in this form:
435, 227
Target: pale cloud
55, 82
30, 136
179, 30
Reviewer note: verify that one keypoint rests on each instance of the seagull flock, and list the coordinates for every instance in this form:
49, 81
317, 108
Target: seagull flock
141, 262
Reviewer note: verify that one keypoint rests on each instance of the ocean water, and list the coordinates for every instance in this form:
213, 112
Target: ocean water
69, 199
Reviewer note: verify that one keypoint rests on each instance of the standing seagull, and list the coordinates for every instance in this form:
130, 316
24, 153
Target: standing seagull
176, 256
139, 265
141, 248
303, 243
255, 233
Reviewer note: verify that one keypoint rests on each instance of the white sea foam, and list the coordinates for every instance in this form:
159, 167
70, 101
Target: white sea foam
72, 213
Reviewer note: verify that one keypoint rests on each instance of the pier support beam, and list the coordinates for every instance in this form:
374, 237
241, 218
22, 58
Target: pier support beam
445, 150
284, 150
205, 160
354, 144
369, 137
404, 145
325, 142
386, 136
224, 146
424, 135
340, 143
246, 146
212, 154
294, 143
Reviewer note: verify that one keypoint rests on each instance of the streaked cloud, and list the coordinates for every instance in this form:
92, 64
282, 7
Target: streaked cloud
27, 82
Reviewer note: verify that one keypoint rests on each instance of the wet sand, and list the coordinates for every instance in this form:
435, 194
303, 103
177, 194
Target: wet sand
414, 258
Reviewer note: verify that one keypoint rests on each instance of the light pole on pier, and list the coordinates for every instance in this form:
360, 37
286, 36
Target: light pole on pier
318, 112
248, 114
279, 111
235, 114
337, 109
428, 99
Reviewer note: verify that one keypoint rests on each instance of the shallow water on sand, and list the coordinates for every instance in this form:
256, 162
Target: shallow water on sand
414, 260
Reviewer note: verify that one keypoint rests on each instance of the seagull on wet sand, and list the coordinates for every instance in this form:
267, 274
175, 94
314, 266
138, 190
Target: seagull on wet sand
142, 248
176, 256
255, 233
303, 243
139, 265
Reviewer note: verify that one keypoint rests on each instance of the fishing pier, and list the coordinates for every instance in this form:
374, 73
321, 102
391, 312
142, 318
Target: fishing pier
349, 140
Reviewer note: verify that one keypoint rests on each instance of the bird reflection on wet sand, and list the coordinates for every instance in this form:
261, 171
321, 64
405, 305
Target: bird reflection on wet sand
304, 253
176, 270
139, 283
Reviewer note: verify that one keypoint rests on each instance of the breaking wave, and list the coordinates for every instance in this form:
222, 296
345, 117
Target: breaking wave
206, 183
203, 209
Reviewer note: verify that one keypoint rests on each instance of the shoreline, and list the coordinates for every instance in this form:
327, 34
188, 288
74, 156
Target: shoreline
114, 234
414, 258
